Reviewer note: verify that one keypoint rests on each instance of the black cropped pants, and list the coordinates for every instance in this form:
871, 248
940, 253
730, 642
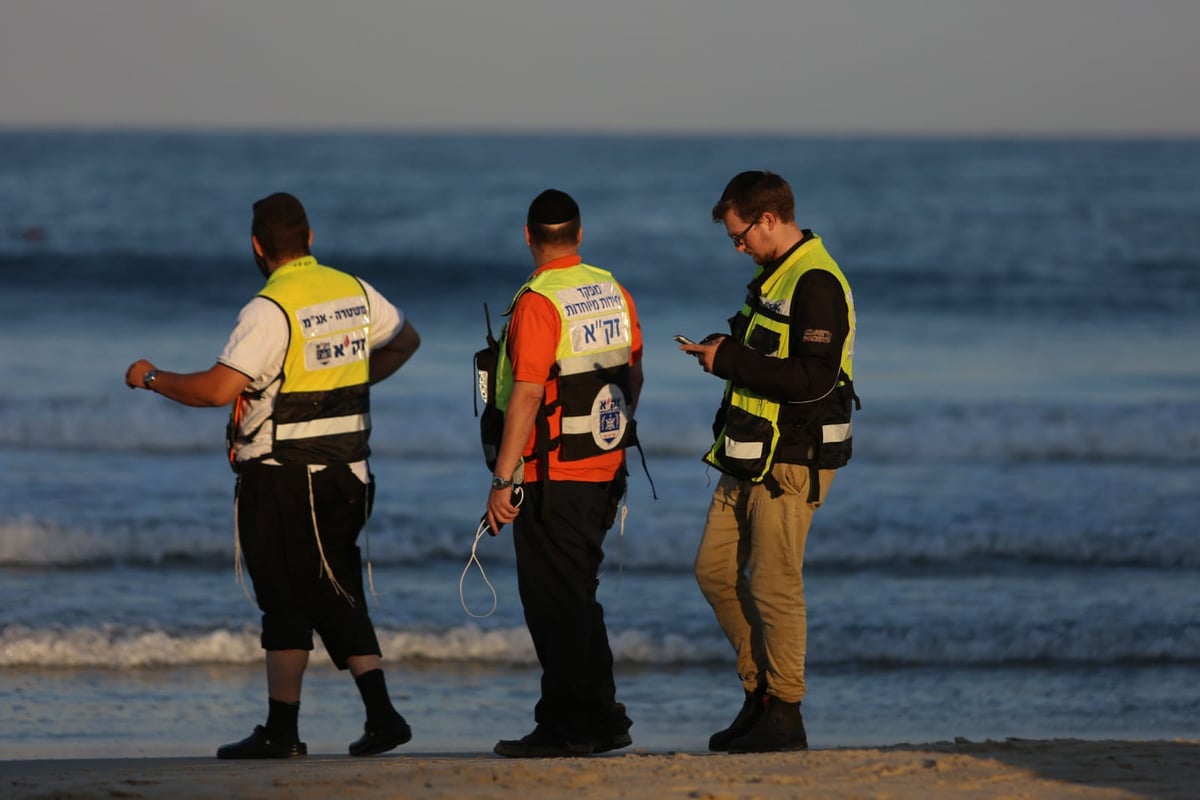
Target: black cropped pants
294, 586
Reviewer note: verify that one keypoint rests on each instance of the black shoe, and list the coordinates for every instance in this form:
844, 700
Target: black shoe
614, 742
542, 744
613, 731
381, 739
752, 710
260, 745
781, 727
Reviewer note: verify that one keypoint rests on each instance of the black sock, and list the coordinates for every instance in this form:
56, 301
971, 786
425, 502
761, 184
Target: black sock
373, 688
283, 721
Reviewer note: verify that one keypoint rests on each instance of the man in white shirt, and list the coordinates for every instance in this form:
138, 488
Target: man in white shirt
298, 367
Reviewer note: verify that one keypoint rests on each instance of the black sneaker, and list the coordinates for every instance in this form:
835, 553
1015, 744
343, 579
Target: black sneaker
542, 744
260, 745
752, 709
377, 740
781, 727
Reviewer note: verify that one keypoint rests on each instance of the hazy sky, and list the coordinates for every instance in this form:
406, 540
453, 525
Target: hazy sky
981, 66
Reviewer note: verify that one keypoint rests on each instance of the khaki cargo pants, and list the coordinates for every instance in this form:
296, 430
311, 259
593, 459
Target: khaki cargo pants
750, 569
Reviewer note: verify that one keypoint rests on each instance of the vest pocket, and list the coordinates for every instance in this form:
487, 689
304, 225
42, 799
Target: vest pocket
835, 434
746, 444
738, 324
764, 340
834, 454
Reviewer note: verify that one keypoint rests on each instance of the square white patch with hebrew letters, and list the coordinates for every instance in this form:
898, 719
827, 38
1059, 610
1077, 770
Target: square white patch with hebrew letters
342, 314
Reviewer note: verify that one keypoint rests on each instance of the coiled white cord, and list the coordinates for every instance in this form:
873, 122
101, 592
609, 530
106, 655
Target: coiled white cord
518, 496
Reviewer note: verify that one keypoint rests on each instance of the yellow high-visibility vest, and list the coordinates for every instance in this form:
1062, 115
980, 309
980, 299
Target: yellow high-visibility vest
745, 448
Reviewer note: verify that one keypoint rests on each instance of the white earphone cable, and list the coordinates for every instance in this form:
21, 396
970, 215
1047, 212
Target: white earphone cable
518, 497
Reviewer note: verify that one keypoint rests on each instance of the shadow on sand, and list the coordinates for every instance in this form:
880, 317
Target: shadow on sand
1155, 770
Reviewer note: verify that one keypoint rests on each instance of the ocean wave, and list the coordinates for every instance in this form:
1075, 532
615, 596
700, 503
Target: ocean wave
843, 540
1007, 643
117, 647
418, 427
102, 214
1030, 432
30, 543
227, 278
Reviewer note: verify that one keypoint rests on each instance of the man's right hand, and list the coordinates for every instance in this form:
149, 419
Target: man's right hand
501, 509
136, 374
704, 351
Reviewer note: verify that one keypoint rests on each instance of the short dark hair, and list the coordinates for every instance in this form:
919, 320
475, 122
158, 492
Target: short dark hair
281, 227
752, 194
553, 218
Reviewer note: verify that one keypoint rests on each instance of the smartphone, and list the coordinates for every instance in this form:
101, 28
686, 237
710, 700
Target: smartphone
682, 339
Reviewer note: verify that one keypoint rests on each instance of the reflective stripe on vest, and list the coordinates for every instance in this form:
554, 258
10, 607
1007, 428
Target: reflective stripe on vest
591, 358
322, 412
322, 427
746, 446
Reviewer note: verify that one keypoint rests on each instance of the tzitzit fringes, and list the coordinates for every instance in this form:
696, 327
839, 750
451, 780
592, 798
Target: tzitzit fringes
238, 574
622, 515
621, 540
325, 568
367, 546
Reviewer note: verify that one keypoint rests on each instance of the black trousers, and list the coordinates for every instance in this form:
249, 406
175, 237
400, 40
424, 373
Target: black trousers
559, 537
291, 585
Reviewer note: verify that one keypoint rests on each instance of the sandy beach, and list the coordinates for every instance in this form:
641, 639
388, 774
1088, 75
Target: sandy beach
1153, 770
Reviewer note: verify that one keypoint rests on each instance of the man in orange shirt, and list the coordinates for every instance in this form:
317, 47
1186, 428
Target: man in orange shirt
567, 382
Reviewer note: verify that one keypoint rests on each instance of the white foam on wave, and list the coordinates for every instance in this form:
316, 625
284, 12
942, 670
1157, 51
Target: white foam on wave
662, 543
30, 542
117, 647
114, 646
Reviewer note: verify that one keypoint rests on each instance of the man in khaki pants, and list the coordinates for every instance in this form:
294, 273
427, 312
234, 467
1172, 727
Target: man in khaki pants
782, 430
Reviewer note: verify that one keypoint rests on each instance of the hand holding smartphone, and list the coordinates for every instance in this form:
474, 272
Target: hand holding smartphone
679, 337
518, 495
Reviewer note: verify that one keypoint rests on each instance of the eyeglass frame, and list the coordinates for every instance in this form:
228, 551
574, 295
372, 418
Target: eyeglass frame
739, 239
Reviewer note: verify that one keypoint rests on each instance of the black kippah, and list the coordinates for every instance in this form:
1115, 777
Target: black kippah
552, 207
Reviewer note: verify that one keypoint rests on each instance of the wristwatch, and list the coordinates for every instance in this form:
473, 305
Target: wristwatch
149, 378
501, 483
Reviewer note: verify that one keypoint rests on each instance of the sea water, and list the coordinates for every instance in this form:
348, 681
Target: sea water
1013, 550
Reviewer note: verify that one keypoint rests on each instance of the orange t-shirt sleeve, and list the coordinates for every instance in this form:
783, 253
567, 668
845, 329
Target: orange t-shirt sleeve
533, 334
635, 339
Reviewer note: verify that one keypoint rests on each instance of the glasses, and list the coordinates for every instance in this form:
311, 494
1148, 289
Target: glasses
739, 239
